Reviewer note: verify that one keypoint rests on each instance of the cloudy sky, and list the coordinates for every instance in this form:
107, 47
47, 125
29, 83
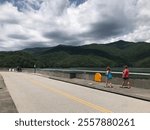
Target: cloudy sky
42, 23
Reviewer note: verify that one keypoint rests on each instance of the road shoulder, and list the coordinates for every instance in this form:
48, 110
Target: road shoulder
6, 103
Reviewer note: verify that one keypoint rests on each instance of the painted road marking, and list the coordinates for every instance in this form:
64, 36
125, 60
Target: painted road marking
71, 97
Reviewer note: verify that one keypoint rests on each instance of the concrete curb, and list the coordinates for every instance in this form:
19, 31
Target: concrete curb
6, 103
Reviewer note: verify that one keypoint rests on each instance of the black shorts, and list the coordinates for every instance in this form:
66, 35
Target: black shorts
125, 78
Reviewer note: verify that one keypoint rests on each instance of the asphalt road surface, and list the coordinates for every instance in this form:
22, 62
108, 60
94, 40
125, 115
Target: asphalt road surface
35, 94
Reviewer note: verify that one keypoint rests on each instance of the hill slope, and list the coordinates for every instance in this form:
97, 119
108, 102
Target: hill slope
94, 55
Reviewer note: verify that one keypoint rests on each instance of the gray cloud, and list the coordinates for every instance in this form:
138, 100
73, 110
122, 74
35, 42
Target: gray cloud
9, 21
34, 44
61, 37
109, 28
18, 36
1, 40
52, 22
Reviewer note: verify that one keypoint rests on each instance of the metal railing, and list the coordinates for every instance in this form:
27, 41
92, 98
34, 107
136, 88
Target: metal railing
84, 72
94, 71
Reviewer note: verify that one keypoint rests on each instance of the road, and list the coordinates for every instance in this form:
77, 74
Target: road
35, 94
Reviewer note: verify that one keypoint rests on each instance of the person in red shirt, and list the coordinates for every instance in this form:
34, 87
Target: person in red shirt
125, 76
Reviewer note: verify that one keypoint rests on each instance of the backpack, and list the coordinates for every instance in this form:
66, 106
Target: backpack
109, 75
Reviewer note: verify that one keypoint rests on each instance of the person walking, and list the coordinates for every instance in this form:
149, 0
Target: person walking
34, 68
108, 77
125, 76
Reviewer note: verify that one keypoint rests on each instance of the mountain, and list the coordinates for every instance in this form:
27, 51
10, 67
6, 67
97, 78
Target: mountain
115, 54
17, 58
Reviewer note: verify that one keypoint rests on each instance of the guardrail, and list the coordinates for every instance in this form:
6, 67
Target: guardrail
94, 71
141, 80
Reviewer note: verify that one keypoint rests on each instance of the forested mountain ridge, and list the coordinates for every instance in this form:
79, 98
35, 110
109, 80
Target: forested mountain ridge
115, 54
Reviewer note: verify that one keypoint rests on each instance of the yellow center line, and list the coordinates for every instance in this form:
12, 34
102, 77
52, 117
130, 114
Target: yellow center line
71, 97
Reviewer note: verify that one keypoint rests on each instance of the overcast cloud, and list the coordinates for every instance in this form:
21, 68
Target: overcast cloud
37, 23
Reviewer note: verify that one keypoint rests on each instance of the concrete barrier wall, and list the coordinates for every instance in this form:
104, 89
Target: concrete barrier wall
135, 82
140, 83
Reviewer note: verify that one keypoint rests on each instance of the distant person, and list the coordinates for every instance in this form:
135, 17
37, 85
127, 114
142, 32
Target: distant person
34, 68
9, 69
19, 69
108, 77
125, 76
